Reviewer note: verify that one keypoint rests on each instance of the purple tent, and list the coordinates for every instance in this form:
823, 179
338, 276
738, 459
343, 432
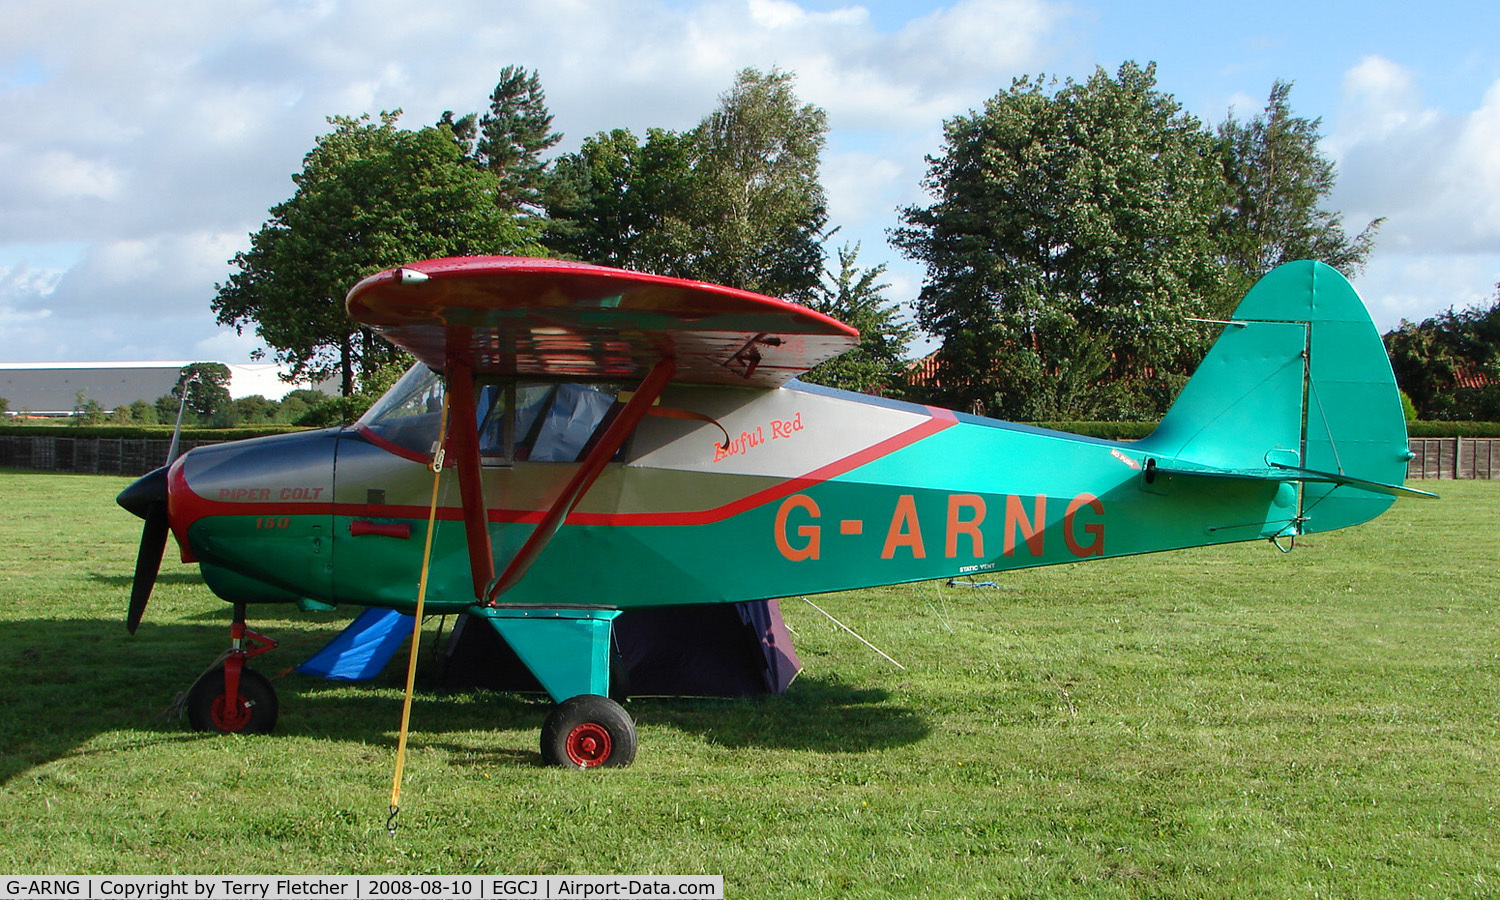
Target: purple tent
714, 650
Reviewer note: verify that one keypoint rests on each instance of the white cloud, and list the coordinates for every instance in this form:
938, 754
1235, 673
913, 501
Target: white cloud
155, 136
1397, 287
164, 274
226, 346
862, 186
65, 175
1382, 98
23, 285
1434, 175
976, 38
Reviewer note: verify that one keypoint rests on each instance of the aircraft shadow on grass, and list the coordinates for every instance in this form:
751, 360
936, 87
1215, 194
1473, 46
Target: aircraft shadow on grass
125, 579
65, 682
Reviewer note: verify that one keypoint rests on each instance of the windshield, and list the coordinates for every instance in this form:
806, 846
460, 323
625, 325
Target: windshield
410, 413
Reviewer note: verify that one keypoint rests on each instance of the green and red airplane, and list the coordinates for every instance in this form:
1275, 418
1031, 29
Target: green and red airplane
618, 440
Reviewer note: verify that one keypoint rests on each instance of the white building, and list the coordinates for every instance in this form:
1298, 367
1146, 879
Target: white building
51, 389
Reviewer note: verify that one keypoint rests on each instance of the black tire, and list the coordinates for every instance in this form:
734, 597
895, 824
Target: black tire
255, 712
586, 732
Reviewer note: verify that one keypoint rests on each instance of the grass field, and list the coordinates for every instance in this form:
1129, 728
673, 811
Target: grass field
1221, 723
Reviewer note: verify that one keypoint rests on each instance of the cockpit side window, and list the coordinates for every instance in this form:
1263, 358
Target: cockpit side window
518, 421
539, 422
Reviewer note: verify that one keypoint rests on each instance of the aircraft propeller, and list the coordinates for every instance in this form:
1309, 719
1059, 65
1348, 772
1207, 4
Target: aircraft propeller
147, 498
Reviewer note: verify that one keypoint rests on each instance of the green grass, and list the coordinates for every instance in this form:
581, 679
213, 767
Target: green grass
1219, 723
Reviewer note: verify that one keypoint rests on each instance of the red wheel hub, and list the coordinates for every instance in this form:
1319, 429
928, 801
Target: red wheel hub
230, 716
588, 745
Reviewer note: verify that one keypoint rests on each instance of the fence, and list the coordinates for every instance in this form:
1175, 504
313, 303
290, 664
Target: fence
1455, 457
102, 456
1435, 457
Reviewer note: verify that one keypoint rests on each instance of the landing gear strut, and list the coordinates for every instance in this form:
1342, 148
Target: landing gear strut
232, 698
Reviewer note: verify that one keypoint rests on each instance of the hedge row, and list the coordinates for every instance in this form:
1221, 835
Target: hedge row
1134, 431
1453, 429
145, 432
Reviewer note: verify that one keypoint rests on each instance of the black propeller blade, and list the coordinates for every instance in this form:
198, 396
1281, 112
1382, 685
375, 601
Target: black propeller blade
146, 498
147, 562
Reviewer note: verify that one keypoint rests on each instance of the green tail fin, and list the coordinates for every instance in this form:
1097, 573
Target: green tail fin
1298, 380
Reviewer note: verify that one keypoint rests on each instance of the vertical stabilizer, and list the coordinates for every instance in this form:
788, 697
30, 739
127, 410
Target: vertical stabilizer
1299, 378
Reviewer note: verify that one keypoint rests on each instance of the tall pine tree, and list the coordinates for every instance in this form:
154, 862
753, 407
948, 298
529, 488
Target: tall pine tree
512, 136
1279, 180
855, 296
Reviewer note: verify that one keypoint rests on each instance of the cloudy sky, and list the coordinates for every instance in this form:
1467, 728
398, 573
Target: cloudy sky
142, 141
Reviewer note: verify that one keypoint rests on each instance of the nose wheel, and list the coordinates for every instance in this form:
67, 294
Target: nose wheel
252, 710
232, 698
586, 732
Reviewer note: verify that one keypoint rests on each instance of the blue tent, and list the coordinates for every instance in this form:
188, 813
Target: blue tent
363, 649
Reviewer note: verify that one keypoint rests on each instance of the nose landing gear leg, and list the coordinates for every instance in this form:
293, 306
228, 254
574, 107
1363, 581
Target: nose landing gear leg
233, 698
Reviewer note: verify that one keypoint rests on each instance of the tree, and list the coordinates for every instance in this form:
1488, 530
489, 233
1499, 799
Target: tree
1278, 180
332, 411
755, 192
1070, 238
139, 412
166, 407
735, 201
465, 130
255, 410
86, 410
619, 202
206, 385
853, 296
512, 136
370, 196
296, 403
1449, 364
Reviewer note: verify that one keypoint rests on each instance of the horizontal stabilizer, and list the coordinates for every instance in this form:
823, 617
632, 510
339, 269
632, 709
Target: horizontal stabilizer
1280, 472
1395, 490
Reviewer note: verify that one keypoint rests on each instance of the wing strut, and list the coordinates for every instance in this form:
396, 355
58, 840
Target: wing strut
593, 464
463, 439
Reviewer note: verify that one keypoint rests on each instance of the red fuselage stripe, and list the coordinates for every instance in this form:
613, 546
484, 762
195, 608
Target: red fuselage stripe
390, 447
196, 507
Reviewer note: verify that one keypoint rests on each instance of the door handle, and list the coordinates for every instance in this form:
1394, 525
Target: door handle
360, 527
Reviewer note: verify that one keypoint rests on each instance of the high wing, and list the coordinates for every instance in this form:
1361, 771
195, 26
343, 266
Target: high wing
549, 318
471, 317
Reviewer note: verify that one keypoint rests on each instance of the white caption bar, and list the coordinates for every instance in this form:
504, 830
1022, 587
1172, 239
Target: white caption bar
400, 887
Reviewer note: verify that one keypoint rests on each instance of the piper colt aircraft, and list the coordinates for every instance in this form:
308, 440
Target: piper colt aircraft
617, 440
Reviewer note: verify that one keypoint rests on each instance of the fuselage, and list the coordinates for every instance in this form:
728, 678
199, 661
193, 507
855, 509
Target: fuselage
805, 490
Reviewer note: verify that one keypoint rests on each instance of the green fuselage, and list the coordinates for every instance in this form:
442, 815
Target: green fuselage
814, 491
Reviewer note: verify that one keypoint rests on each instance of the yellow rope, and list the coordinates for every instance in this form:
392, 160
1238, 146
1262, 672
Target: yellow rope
416, 630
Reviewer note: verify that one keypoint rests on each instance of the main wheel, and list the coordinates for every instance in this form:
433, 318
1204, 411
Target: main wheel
252, 712
587, 731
